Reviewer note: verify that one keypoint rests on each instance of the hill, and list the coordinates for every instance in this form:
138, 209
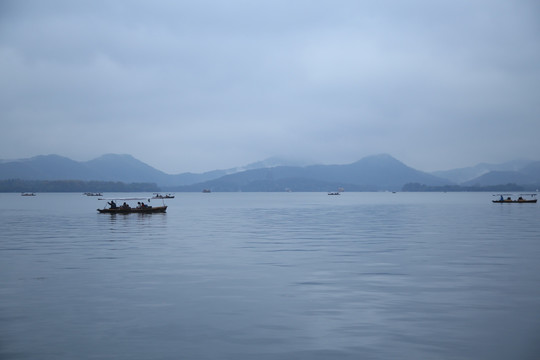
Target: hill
533, 170
44, 167
373, 173
109, 167
467, 174
527, 175
114, 167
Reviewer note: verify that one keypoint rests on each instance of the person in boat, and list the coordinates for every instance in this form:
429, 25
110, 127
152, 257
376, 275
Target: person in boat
520, 198
141, 205
112, 204
125, 206
502, 199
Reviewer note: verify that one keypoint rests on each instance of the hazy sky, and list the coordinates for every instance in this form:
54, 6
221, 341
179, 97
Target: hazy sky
203, 85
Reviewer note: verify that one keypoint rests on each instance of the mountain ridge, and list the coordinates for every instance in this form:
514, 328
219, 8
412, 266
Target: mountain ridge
466, 174
371, 173
528, 175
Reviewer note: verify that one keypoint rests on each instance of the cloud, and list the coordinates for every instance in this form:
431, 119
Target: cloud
191, 86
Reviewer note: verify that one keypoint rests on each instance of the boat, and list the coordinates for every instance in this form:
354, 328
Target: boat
159, 196
207, 191
334, 193
125, 208
92, 194
130, 210
520, 200
28, 194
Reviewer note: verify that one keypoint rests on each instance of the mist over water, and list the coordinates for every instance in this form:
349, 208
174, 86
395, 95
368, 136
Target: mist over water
271, 276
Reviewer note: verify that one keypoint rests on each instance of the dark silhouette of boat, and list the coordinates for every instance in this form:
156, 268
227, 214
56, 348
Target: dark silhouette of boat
93, 194
520, 199
125, 208
159, 196
147, 210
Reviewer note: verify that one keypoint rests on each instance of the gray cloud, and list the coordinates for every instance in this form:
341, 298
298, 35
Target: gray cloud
192, 86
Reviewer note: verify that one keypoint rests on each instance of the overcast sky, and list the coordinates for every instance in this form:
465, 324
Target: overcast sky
203, 85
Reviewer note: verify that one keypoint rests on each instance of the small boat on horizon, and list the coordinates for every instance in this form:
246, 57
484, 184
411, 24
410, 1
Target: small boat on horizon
92, 194
27, 194
159, 196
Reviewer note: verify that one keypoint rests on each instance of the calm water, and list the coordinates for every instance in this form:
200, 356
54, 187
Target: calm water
271, 276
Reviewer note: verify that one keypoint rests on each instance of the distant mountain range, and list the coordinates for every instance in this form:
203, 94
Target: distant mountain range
110, 167
468, 174
372, 173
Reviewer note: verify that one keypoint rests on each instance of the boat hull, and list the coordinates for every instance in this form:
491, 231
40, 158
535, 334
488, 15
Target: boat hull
514, 201
148, 210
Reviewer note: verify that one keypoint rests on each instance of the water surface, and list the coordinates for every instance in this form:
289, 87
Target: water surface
271, 276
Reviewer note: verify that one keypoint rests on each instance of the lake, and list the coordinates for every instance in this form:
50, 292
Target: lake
270, 276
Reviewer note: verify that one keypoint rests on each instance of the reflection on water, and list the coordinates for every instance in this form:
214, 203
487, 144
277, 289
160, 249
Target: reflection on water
271, 276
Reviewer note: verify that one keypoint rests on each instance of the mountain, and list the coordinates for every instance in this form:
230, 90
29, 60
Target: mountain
109, 167
500, 177
191, 178
125, 168
466, 174
372, 173
533, 170
272, 162
526, 175
378, 172
45, 167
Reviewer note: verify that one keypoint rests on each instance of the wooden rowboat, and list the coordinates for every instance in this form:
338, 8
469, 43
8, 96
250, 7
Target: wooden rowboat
514, 201
129, 210
520, 199
125, 208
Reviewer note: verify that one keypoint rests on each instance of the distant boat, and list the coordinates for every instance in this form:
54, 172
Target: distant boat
519, 200
28, 194
206, 191
159, 196
334, 193
93, 194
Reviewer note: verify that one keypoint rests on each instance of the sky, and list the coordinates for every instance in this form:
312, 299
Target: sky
193, 86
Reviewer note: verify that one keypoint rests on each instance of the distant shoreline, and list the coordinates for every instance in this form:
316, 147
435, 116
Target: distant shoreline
74, 186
